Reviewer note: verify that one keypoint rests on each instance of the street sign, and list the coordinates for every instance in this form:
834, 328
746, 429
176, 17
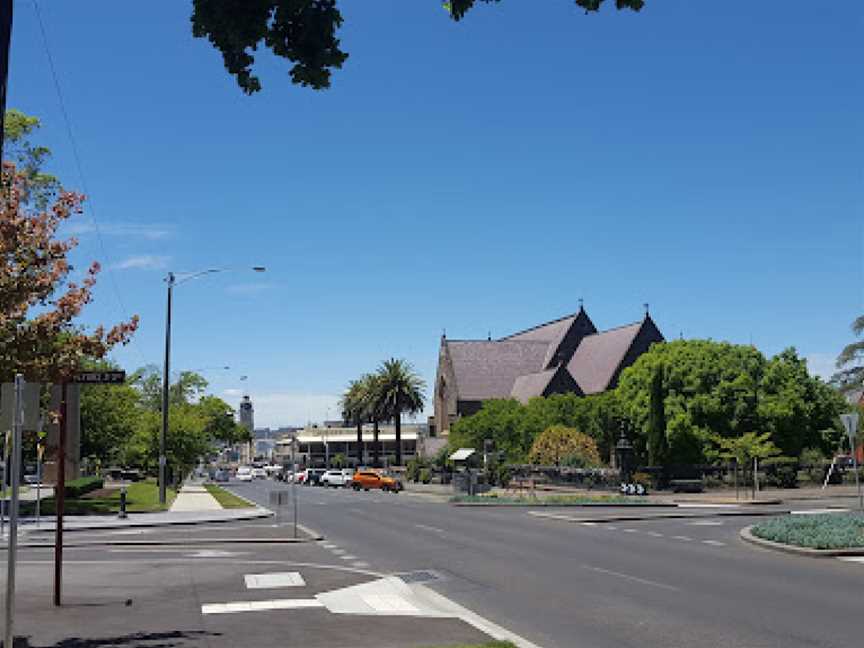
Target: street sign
100, 377
850, 422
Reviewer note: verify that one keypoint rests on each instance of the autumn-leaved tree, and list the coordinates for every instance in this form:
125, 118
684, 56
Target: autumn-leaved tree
559, 445
39, 302
300, 31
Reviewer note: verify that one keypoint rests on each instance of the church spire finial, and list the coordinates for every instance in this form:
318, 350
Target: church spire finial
581, 304
645, 306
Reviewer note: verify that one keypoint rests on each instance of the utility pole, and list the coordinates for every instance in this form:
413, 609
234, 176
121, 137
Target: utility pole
5, 43
165, 378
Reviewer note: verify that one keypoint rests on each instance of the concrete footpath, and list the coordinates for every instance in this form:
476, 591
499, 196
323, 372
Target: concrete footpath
193, 496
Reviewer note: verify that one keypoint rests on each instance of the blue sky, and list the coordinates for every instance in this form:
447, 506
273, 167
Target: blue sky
476, 177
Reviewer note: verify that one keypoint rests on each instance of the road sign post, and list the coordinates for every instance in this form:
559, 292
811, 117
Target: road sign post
17, 424
850, 422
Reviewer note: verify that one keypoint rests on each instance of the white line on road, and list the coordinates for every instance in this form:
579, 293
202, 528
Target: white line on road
589, 524
855, 559
820, 511
430, 528
347, 557
706, 523
274, 580
654, 534
714, 543
361, 564
338, 552
684, 538
612, 527
258, 606
636, 579
631, 530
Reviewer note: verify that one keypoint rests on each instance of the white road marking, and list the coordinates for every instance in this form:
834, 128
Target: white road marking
274, 580
589, 524
362, 564
213, 553
714, 543
706, 523
388, 603
329, 545
338, 551
654, 534
635, 579
347, 557
708, 505
259, 606
853, 559
612, 527
631, 530
684, 538
820, 511
430, 528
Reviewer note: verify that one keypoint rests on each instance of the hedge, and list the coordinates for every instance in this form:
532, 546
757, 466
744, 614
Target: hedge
81, 486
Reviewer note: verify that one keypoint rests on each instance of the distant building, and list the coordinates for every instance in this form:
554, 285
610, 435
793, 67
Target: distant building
247, 420
567, 355
315, 445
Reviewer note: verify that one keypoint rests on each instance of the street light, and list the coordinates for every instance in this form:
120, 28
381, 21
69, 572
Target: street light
171, 280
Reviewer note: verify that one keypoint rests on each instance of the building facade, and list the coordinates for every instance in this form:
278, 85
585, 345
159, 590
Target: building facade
567, 355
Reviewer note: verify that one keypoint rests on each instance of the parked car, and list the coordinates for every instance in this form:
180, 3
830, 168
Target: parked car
220, 476
337, 478
259, 473
244, 474
367, 479
313, 476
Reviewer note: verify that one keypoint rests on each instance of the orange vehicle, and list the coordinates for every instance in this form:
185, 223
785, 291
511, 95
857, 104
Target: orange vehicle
367, 479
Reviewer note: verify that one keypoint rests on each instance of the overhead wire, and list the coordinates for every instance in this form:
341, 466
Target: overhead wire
80, 169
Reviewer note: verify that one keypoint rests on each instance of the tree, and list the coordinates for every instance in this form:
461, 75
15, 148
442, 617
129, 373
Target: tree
560, 444
219, 422
850, 362
109, 417
187, 389
400, 391
745, 448
372, 406
39, 305
658, 446
300, 31
29, 158
353, 404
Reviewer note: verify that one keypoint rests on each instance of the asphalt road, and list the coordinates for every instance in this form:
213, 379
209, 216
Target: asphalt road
657, 583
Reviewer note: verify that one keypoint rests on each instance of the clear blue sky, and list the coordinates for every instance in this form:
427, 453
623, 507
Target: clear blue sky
704, 157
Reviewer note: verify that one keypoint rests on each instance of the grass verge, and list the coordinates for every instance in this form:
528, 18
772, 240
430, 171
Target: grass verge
824, 531
141, 497
227, 499
551, 500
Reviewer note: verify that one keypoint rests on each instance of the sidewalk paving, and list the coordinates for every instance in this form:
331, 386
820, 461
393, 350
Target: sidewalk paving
194, 497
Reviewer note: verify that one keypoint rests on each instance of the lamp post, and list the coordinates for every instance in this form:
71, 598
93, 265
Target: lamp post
624, 452
171, 280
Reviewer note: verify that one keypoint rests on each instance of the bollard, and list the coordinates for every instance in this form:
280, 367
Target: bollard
122, 514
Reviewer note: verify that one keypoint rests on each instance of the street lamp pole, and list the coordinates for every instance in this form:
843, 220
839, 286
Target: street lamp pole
171, 280
165, 377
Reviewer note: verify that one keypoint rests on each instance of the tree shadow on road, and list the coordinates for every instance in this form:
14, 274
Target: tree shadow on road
169, 639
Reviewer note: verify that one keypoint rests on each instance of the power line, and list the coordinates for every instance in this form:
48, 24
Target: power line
79, 167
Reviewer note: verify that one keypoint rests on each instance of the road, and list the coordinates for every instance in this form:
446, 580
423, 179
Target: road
647, 583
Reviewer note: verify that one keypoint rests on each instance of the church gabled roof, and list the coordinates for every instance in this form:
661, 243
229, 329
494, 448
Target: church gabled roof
530, 385
598, 357
487, 369
547, 332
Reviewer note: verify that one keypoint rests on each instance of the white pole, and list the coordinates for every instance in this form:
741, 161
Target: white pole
17, 423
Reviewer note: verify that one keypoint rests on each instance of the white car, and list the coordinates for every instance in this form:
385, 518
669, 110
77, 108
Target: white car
337, 478
244, 474
259, 473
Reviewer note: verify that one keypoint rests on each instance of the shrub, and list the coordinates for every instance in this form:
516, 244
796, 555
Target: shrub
826, 531
813, 462
781, 472
425, 475
559, 444
83, 485
412, 471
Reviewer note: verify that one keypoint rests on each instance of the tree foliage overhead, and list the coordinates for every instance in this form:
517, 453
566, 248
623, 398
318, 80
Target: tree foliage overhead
303, 32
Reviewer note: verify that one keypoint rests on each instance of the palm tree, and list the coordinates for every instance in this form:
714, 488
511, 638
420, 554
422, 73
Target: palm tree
353, 405
372, 410
401, 390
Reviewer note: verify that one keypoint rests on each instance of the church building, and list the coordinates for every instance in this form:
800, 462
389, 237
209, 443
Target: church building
565, 355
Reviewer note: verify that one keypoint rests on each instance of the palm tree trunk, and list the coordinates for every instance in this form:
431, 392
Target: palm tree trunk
359, 442
375, 447
398, 423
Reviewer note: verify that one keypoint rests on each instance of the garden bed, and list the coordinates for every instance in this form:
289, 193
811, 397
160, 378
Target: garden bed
825, 531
